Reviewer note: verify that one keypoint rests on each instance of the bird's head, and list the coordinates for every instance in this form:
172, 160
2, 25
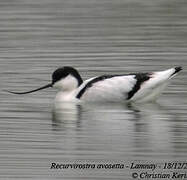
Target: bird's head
65, 78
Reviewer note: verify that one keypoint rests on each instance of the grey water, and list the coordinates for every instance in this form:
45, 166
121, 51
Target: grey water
96, 37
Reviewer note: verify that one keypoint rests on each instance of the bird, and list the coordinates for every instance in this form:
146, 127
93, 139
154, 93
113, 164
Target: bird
132, 87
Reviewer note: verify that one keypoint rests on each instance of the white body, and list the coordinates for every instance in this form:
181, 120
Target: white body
114, 89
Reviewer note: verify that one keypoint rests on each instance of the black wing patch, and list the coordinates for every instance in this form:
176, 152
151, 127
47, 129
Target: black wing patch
90, 84
141, 78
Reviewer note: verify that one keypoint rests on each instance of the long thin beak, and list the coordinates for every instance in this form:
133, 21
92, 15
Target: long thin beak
44, 87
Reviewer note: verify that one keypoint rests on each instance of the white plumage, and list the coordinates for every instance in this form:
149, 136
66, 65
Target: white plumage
137, 87
116, 88
111, 89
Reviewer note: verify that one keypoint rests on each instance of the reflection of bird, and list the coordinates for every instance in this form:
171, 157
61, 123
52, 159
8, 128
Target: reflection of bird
66, 114
139, 87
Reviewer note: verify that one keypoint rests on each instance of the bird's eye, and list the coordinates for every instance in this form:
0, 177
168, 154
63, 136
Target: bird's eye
59, 74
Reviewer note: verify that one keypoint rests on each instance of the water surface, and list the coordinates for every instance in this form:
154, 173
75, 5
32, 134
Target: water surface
97, 37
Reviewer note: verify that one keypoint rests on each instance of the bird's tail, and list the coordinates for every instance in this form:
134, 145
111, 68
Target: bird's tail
160, 77
169, 73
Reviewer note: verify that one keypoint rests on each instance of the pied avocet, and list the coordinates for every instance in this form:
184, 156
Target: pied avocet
139, 87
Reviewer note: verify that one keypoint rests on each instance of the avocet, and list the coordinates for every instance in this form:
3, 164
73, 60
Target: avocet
134, 87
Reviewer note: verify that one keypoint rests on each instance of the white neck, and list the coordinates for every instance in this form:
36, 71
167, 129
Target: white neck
68, 83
